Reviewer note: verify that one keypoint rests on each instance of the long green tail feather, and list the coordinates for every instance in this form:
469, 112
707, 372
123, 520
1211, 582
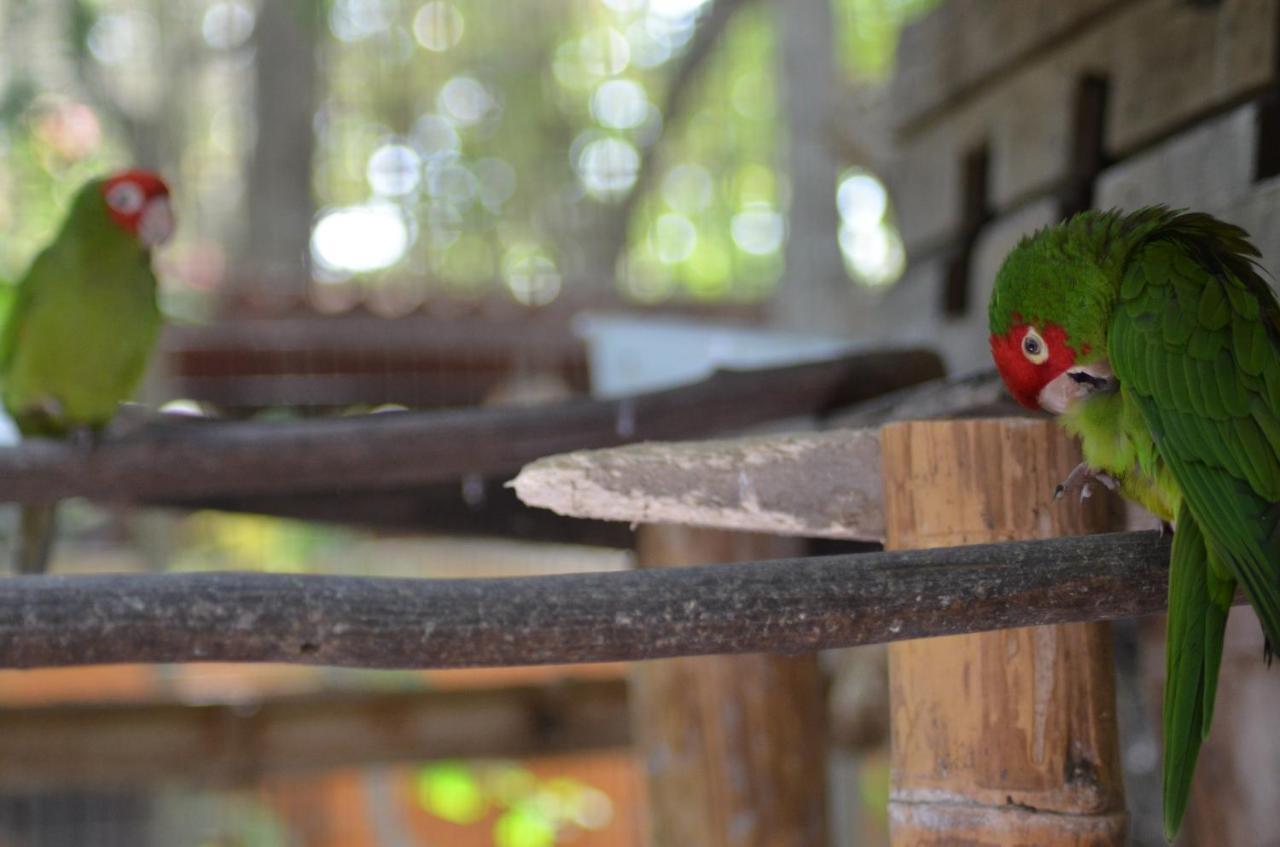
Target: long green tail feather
1197, 623
35, 539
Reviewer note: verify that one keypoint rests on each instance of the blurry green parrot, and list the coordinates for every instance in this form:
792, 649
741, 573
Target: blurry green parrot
82, 324
1155, 339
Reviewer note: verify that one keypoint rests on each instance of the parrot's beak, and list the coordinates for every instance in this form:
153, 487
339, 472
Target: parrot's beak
1076, 383
156, 224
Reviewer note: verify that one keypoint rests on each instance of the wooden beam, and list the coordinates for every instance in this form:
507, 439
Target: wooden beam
813, 484
787, 605
240, 744
224, 458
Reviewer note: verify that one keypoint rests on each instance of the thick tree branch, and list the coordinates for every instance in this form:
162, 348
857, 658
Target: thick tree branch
791, 605
379, 452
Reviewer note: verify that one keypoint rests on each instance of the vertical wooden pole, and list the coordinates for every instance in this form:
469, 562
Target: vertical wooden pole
1001, 738
734, 747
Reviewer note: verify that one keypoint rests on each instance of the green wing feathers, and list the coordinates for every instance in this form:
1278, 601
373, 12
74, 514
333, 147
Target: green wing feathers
1192, 658
1195, 341
1207, 382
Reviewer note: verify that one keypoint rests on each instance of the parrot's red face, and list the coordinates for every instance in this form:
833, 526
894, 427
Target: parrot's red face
138, 202
1038, 366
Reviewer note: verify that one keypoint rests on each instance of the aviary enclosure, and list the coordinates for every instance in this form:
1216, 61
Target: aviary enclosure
574, 423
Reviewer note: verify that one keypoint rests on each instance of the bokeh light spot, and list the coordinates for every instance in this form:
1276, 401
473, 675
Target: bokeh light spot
758, 230
688, 188
873, 255
674, 238
227, 25
438, 26
604, 52
608, 167
620, 104
394, 170
465, 100
531, 276
359, 239
861, 199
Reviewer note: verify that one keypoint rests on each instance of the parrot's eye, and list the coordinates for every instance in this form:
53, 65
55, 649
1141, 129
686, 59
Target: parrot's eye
1034, 348
125, 198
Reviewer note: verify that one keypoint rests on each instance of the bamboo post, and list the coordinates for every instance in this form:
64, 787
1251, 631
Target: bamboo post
734, 746
1006, 737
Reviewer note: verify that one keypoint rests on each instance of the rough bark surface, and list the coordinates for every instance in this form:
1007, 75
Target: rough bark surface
789, 605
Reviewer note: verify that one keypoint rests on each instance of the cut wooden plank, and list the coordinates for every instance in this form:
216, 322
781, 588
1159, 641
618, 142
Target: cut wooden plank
816, 484
812, 484
240, 744
732, 745
170, 461
790, 605
1002, 738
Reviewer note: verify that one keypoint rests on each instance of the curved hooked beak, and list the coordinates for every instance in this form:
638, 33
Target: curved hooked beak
156, 225
1074, 384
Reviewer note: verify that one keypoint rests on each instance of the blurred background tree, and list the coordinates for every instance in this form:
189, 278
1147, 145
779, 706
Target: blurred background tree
396, 152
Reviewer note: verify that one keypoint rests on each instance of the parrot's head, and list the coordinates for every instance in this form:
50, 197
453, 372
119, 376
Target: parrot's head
138, 203
1049, 313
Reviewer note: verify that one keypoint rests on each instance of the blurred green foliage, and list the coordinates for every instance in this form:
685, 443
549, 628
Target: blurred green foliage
527, 811
470, 147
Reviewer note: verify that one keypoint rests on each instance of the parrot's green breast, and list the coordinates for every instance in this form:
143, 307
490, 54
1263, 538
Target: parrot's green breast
82, 326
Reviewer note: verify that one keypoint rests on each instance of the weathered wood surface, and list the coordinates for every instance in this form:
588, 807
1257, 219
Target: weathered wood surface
240, 744
732, 746
964, 44
810, 484
220, 459
788, 605
1166, 62
815, 484
1000, 738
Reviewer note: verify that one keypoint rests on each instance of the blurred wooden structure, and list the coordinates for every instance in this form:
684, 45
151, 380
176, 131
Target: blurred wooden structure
734, 747
156, 741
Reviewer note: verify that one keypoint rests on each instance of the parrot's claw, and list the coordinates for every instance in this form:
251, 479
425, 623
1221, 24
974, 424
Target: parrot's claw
1083, 477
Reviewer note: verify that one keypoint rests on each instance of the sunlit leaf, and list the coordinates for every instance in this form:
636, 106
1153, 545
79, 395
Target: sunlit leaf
449, 790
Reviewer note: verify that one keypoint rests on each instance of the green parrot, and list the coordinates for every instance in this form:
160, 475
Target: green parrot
1153, 337
82, 324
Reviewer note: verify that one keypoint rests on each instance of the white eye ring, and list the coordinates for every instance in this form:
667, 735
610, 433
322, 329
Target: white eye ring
126, 198
1034, 348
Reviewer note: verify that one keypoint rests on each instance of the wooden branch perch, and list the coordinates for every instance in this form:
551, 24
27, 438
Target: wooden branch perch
780, 606
168, 462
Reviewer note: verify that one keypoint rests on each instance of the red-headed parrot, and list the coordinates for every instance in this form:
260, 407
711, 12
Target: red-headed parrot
1153, 337
82, 324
